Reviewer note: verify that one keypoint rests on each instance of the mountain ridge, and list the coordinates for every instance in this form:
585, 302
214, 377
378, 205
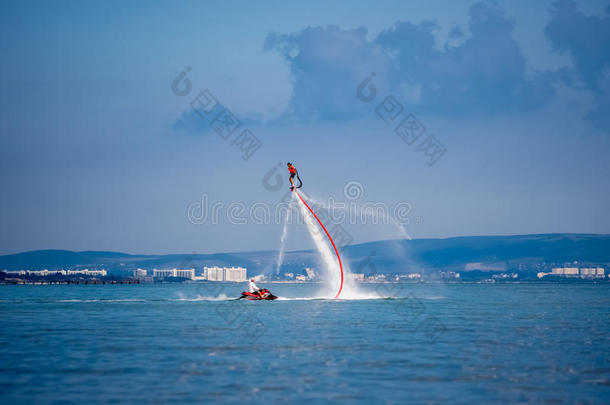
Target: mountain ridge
494, 252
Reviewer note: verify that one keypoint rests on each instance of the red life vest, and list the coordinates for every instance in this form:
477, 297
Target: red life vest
291, 169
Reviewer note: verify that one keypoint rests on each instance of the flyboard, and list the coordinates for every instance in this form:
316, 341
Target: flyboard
327, 234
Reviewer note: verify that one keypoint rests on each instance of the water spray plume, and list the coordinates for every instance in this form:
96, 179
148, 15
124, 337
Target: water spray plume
355, 210
329, 238
280, 257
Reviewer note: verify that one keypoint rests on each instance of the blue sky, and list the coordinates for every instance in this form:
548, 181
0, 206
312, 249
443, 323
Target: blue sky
98, 153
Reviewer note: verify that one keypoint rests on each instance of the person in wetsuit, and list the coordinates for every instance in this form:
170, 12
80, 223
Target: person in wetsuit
293, 172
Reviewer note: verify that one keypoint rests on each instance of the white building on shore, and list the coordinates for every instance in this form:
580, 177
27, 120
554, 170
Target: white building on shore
214, 273
564, 271
178, 273
46, 273
592, 272
583, 272
311, 273
86, 272
139, 273
161, 273
186, 273
234, 274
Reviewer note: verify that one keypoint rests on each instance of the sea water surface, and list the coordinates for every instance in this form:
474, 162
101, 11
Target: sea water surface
188, 343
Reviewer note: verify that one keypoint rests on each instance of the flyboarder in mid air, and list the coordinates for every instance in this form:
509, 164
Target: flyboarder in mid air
294, 172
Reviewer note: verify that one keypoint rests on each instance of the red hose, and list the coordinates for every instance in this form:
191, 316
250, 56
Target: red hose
329, 238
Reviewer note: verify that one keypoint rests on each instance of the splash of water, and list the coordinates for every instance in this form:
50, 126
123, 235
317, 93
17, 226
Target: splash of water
280, 256
331, 266
375, 215
332, 273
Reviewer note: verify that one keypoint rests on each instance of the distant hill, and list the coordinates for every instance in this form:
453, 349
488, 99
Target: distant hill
495, 253
486, 252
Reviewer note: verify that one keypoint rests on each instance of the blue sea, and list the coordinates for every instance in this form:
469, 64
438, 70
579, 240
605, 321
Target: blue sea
189, 343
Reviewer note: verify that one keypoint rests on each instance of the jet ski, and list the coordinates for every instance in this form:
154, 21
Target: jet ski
265, 295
